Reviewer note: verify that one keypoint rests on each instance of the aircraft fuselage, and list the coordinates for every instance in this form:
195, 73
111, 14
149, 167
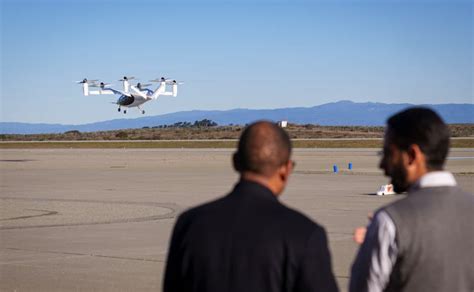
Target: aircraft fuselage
131, 101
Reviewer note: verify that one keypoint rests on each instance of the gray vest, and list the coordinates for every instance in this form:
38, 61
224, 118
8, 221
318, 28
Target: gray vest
435, 238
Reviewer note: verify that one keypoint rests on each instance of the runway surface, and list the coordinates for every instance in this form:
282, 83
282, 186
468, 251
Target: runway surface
100, 220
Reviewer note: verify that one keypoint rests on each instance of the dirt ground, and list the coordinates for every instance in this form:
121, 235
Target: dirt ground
100, 219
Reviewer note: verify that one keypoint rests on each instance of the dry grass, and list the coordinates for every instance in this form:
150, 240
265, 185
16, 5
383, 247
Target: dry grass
219, 133
304, 136
333, 143
118, 144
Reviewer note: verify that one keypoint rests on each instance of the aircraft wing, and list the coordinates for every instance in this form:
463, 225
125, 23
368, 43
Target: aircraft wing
137, 91
115, 91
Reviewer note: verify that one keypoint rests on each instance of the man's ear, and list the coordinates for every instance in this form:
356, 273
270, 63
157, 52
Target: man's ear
236, 162
415, 163
414, 154
284, 171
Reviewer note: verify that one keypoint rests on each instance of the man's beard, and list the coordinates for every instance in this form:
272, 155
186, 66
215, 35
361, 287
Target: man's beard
399, 178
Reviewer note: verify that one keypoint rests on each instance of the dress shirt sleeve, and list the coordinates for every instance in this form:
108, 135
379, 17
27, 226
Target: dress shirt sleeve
315, 272
376, 257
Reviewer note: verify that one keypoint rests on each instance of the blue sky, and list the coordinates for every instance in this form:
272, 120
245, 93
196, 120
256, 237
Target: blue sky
232, 54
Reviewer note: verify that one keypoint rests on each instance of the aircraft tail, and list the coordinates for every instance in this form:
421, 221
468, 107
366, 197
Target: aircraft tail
175, 89
159, 91
85, 88
126, 86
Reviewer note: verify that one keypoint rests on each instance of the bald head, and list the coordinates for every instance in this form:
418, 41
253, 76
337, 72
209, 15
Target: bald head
263, 148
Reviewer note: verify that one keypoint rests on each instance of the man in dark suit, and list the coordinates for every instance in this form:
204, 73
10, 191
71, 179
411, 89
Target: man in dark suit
248, 240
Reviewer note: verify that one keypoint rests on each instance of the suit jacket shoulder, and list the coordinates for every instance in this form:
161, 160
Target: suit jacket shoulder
248, 241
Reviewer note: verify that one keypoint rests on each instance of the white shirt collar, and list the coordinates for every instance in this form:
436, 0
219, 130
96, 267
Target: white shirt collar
436, 179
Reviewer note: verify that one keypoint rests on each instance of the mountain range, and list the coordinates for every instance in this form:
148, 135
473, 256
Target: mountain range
341, 113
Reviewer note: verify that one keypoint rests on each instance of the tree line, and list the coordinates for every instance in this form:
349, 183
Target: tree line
205, 123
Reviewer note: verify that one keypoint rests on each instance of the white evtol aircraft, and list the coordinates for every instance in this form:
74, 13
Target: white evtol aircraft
131, 96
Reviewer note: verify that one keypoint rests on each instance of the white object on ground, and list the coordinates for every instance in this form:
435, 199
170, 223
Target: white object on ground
386, 190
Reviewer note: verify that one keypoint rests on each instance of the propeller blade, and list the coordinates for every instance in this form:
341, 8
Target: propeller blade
160, 79
174, 82
85, 80
127, 78
141, 85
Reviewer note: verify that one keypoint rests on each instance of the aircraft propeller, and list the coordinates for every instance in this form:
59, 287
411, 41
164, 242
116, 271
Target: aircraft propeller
140, 85
85, 80
175, 82
127, 78
101, 85
162, 79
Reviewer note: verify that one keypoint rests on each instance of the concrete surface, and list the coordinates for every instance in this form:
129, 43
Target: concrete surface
100, 220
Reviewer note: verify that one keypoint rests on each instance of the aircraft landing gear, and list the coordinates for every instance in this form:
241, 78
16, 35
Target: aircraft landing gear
118, 109
124, 111
143, 112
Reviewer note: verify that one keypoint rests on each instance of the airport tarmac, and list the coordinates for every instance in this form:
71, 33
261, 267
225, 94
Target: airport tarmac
100, 219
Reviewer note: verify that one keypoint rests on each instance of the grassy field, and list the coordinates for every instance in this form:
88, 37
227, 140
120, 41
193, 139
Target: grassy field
304, 143
219, 133
304, 136
199, 133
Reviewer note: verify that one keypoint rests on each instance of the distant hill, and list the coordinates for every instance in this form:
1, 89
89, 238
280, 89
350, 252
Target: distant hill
342, 113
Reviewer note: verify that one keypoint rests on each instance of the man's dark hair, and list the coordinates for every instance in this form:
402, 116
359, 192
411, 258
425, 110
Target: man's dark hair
425, 128
263, 147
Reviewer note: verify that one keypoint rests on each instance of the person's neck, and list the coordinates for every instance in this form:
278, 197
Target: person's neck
417, 172
260, 179
420, 176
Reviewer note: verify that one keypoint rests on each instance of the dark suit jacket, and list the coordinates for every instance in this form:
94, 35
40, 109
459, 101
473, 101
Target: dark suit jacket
248, 241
